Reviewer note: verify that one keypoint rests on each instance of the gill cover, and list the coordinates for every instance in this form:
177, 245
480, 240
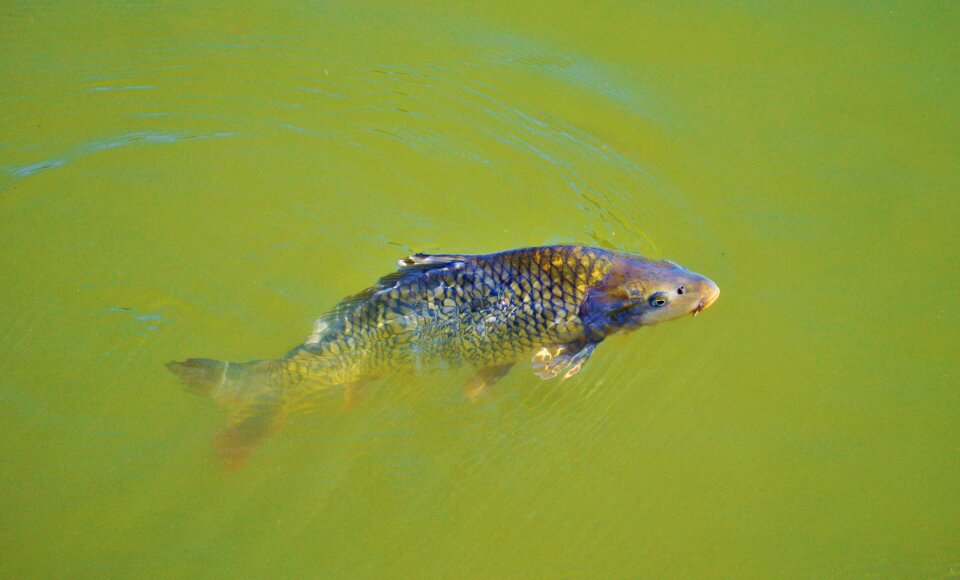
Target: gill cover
607, 309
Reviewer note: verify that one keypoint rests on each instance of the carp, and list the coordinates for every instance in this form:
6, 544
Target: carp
486, 311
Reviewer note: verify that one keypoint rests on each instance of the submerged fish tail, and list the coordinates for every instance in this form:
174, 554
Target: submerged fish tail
255, 394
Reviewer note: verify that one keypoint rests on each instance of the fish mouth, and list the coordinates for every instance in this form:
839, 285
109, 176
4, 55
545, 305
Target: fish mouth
706, 302
698, 309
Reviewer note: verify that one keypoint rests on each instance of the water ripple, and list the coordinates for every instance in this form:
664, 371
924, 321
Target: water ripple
137, 138
123, 88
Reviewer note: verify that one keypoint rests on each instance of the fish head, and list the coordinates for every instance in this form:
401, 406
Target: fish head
641, 292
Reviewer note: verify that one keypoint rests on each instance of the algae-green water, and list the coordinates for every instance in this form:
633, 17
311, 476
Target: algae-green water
206, 178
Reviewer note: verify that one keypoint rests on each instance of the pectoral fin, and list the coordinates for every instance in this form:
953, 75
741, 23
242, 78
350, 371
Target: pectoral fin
568, 359
477, 384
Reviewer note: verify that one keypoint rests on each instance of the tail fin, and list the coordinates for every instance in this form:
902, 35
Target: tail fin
250, 391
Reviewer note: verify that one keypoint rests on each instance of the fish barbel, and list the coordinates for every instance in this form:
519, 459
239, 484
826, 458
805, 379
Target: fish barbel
485, 311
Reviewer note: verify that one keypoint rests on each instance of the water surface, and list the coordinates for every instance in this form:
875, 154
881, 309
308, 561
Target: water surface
205, 178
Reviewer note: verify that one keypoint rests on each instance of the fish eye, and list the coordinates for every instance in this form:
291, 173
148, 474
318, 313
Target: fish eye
659, 299
681, 290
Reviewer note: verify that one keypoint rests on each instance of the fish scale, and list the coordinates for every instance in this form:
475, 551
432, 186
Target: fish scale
473, 310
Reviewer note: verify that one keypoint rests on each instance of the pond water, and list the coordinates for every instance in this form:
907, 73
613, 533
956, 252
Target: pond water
206, 178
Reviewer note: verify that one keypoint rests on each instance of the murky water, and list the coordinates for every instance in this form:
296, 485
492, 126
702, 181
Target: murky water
204, 179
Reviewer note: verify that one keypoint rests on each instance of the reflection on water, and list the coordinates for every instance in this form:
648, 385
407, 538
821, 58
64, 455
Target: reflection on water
208, 178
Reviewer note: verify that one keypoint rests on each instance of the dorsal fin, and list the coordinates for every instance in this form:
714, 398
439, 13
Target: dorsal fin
438, 259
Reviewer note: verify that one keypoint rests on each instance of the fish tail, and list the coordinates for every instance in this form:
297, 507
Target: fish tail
253, 392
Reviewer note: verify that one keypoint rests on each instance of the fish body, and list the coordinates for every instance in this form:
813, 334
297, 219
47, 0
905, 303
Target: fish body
485, 311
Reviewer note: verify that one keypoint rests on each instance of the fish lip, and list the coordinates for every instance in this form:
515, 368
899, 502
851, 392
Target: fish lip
706, 302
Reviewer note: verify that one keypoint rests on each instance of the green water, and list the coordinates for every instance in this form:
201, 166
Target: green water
205, 178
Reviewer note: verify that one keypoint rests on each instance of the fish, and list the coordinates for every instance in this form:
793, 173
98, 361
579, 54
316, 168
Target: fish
554, 304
